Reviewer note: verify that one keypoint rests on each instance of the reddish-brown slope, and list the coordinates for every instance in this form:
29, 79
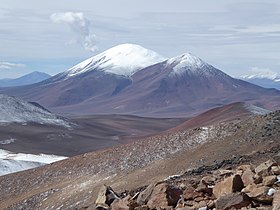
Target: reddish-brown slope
216, 115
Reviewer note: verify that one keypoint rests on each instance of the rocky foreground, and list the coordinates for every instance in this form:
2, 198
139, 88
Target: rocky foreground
244, 187
211, 153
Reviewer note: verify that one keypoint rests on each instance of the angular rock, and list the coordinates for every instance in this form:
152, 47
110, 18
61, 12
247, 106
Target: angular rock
93, 207
101, 197
121, 204
124, 204
210, 204
99, 207
275, 170
225, 173
263, 208
264, 168
229, 185
164, 196
198, 199
203, 187
144, 207
185, 208
257, 179
244, 167
201, 205
248, 177
269, 180
105, 196
276, 201
258, 193
190, 194
233, 201
209, 179
145, 195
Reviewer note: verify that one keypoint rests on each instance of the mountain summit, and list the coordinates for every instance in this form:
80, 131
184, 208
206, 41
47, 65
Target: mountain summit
124, 59
190, 64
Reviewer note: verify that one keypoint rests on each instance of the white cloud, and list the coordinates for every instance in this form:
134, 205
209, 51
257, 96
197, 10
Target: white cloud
8, 65
271, 28
80, 26
252, 29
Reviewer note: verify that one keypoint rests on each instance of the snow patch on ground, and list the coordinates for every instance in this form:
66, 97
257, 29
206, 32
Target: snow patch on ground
256, 110
172, 177
7, 141
14, 162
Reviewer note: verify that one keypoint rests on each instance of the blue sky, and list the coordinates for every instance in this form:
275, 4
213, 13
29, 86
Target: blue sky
237, 36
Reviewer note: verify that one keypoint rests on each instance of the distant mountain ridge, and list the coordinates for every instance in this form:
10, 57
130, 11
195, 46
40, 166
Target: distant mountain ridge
129, 79
27, 79
15, 110
264, 80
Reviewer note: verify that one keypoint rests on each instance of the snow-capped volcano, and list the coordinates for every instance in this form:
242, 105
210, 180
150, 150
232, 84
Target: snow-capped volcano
16, 110
124, 59
190, 64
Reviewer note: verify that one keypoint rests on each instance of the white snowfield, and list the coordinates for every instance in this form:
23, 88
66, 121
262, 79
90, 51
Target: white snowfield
124, 59
14, 162
13, 109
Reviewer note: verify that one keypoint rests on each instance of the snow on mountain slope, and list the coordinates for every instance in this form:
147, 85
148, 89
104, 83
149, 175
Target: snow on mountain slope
255, 109
191, 64
124, 59
266, 79
263, 75
14, 162
16, 110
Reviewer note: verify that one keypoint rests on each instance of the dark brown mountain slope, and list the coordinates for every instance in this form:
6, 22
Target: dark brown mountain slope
87, 134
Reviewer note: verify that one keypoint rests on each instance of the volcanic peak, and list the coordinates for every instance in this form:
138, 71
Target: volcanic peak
124, 59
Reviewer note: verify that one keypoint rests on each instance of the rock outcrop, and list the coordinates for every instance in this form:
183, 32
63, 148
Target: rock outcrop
245, 187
